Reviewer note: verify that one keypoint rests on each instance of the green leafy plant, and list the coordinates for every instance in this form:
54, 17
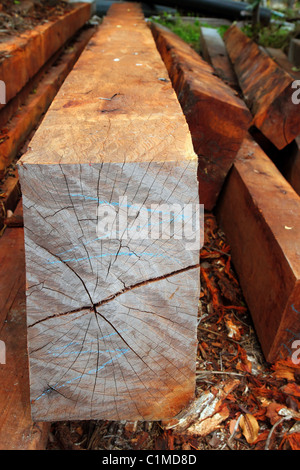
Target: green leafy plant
189, 32
274, 35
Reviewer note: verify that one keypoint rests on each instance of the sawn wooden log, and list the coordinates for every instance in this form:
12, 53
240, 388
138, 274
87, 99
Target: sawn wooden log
112, 313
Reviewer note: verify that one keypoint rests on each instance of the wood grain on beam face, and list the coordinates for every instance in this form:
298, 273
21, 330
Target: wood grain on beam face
266, 87
260, 213
218, 120
24, 112
111, 321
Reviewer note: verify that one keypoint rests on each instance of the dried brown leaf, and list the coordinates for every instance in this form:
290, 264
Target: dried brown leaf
285, 369
249, 427
272, 412
232, 328
292, 389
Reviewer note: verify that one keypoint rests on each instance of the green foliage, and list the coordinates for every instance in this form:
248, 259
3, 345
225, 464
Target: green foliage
222, 29
274, 35
190, 33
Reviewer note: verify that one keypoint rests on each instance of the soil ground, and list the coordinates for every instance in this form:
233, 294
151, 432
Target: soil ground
16, 17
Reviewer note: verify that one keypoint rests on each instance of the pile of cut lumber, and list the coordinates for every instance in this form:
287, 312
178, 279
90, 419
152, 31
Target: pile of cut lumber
257, 208
218, 119
260, 207
33, 69
141, 129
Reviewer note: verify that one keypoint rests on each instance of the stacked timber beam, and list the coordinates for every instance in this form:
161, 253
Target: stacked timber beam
112, 321
24, 56
266, 87
217, 118
282, 60
289, 162
32, 75
291, 168
17, 430
259, 212
33, 68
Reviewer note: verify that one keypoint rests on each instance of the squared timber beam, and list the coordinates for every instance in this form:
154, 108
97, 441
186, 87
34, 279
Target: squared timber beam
112, 321
267, 88
217, 118
259, 212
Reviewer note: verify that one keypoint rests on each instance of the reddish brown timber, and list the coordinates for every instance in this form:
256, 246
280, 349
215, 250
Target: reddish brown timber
288, 159
291, 169
17, 430
112, 320
266, 87
282, 60
10, 194
25, 55
214, 51
217, 118
259, 212
16, 103
294, 52
37, 102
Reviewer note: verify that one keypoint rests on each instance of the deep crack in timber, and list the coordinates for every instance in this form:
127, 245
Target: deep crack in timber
93, 307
